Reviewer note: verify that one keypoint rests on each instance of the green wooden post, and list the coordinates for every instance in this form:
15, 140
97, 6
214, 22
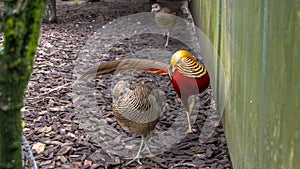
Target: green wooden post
259, 49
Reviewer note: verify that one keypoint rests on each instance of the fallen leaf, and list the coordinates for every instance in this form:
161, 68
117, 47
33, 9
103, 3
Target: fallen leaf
39, 147
87, 162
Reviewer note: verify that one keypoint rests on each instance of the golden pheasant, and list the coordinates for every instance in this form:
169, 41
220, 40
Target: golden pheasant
188, 76
164, 18
137, 108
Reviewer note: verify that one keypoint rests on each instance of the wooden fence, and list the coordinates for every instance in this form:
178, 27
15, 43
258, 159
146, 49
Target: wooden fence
258, 42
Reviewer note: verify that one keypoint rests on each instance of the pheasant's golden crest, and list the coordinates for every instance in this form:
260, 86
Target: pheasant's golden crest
187, 64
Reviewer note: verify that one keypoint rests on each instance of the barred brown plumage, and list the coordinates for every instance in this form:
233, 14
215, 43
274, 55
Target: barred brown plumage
137, 108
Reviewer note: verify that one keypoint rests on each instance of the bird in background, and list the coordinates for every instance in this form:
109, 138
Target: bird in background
165, 18
187, 75
137, 108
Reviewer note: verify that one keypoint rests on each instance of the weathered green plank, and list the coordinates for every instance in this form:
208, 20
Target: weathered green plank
282, 86
206, 18
208, 21
259, 49
241, 120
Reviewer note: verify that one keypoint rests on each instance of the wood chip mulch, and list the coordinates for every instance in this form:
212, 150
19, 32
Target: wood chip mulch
58, 136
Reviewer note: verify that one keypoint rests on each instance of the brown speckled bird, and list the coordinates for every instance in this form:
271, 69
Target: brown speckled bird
188, 76
165, 18
137, 108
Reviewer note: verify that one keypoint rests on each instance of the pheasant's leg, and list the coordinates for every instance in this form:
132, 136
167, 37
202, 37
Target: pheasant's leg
190, 130
167, 40
137, 157
188, 114
148, 149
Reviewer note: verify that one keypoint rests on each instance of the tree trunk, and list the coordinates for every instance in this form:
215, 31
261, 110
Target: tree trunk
50, 11
21, 27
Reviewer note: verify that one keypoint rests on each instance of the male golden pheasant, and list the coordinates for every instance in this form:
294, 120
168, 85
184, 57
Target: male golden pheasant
188, 76
165, 18
137, 108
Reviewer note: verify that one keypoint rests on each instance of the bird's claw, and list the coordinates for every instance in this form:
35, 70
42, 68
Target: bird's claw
134, 159
191, 130
147, 148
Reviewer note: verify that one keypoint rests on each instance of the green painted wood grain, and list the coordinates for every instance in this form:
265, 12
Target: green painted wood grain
259, 49
206, 18
282, 86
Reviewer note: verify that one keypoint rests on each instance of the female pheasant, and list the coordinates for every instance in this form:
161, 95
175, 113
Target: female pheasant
188, 76
165, 18
137, 108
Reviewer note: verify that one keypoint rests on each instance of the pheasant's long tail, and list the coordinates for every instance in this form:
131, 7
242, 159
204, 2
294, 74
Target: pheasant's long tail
102, 69
118, 66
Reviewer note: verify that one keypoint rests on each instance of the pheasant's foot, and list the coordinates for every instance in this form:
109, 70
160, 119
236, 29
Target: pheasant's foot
137, 159
146, 147
191, 130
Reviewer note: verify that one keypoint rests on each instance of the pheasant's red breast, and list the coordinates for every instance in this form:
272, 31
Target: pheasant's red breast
187, 86
189, 77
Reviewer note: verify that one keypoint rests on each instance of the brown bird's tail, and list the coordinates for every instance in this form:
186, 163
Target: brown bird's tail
118, 66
